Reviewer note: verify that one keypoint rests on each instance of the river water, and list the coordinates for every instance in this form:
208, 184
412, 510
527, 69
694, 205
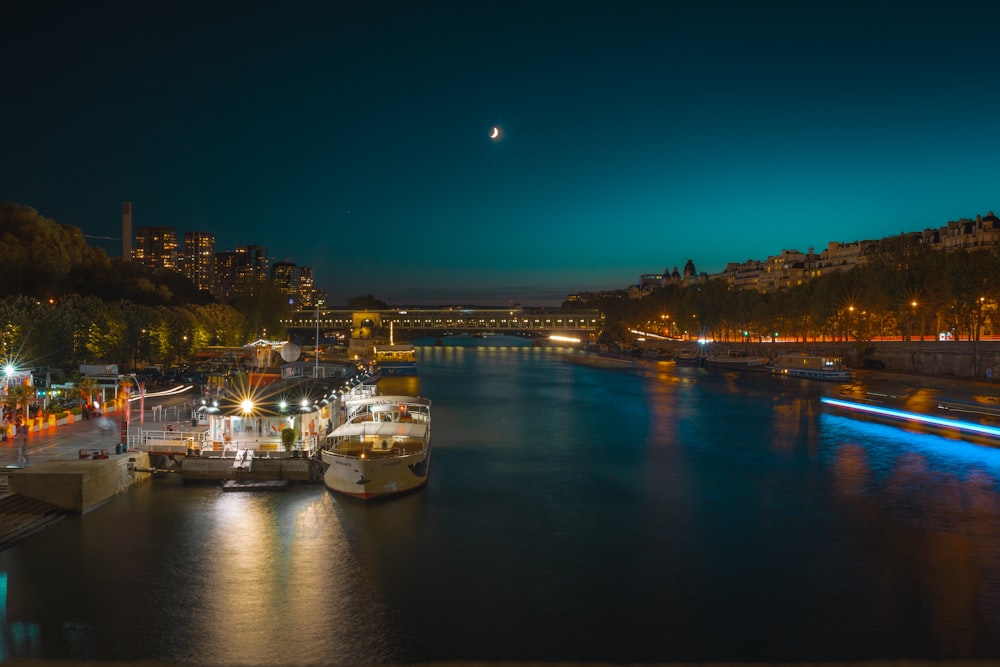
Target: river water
573, 514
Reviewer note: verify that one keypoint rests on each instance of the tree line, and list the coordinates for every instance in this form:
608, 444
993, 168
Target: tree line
64, 303
903, 288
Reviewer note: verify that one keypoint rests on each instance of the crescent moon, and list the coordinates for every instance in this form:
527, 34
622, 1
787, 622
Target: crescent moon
495, 132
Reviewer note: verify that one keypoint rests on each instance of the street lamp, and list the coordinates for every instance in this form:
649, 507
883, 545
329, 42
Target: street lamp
125, 382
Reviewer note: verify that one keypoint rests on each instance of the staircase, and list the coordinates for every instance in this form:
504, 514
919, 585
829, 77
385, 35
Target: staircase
21, 516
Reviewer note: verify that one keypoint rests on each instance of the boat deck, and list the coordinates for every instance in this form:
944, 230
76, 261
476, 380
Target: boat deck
375, 447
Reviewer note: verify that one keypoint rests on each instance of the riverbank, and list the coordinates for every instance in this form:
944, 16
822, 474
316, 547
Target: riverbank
959, 360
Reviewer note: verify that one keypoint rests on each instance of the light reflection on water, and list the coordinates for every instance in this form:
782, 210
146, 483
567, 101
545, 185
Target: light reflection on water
573, 514
946, 490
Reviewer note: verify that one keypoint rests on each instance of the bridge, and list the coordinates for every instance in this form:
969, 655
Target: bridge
584, 324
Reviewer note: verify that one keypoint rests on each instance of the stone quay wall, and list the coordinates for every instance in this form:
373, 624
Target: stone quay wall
80, 485
970, 360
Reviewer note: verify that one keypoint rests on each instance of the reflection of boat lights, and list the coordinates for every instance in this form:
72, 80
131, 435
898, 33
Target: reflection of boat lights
955, 424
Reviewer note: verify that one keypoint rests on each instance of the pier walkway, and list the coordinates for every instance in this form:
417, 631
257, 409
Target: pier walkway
20, 515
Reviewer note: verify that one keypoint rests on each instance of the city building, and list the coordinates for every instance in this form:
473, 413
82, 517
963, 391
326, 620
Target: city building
199, 259
238, 272
156, 248
285, 276
791, 267
307, 289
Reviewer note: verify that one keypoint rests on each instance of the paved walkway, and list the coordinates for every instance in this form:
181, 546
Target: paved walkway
65, 442
21, 516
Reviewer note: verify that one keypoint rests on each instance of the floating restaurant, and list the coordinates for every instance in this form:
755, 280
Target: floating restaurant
265, 426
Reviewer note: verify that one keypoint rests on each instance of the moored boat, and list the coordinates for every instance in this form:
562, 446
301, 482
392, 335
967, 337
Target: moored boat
689, 356
737, 360
383, 448
816, 367
395, 358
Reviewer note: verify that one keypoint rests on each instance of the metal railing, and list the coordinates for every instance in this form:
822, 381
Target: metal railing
182, 442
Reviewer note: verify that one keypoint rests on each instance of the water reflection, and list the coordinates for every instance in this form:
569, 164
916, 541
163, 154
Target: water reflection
942, 496
573, 513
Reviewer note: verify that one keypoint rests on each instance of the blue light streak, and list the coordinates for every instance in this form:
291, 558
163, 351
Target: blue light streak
953, 424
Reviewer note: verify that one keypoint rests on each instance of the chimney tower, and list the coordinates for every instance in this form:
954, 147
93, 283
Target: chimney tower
126, 231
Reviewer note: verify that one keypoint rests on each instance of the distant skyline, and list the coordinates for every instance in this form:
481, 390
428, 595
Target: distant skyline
355, 137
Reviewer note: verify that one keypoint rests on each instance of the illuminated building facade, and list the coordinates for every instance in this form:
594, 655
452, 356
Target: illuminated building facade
285, 276
199, 259
238, 272
307, 289
156, 248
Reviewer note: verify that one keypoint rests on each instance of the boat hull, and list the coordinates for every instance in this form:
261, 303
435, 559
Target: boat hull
739, 364
398, 370
814, 374
369, 478
811, 366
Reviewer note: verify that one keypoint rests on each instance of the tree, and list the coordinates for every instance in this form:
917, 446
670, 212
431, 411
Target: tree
366, 302
18, 396
86, 388
288, 438
263, 310
40, 253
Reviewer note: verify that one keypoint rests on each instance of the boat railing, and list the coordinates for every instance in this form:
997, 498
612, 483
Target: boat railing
169, 441
181, 442
358, 444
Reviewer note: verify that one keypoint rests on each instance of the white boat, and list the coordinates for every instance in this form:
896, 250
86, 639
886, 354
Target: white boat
812, 366
395, 358
689, 356
737, 360
383, 447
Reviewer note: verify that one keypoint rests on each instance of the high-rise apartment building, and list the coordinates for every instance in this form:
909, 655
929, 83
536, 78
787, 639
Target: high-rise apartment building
257, 262
285, 276
238, 272
307, 290
199, 259
156, 247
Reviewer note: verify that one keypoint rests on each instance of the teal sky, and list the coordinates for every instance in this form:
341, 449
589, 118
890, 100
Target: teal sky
353, 137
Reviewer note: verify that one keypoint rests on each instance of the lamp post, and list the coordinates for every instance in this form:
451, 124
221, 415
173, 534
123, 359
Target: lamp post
125, 382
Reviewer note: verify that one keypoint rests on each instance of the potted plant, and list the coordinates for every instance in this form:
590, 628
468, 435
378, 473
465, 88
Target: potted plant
288, 440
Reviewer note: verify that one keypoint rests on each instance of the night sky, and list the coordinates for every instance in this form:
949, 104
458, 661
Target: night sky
353, 137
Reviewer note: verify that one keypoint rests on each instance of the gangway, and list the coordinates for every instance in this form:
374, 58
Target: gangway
244, 459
